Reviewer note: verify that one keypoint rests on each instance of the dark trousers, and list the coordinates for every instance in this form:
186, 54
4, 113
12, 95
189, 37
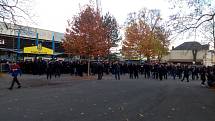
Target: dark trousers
131, 75
203, 78
179, 75
185, 76
174, 75
100, 76
154, 75
136, 75
193, 76
165, 75
117, 76
15, 80
147, 74
160, 76
57, 73
49, 75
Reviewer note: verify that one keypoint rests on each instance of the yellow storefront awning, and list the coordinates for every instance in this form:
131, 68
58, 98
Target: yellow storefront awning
38, 50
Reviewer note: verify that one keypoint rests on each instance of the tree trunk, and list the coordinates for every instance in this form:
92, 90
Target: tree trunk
194, 55
148, 59
159, 57
109, 57
88, 67
214, 33
140, 60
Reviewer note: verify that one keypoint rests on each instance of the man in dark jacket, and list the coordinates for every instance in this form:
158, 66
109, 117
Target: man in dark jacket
186, 73
117, 71
49, 70
100, 69
160, 72
203, 72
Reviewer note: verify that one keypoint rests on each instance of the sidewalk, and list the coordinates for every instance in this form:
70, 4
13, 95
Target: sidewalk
28, 80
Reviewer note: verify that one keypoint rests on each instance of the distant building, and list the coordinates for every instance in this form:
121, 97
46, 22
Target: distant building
209, 59
15, 39
184, 54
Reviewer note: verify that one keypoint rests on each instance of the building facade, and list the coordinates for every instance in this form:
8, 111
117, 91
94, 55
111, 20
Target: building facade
185, 53
14, 38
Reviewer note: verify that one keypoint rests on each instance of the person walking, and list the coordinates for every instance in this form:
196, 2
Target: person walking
117, 71
179, 71
136, 71
49, 70
186, 74
131, 71
174, 71
160, 72
100, 69
15, 71
57, 69
203, 72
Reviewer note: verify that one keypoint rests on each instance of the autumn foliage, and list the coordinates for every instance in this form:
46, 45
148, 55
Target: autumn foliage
86, 35
144, 40
135, 35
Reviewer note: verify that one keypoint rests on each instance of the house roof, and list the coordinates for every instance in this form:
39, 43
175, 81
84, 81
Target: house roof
192, 46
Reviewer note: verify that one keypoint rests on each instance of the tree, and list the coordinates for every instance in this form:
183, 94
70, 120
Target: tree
162, 42
130, 48
113, 34
194, 18
86, 36
137, 42
13, 11
141, 37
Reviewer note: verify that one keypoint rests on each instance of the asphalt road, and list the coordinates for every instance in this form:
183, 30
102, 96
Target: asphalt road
109, 100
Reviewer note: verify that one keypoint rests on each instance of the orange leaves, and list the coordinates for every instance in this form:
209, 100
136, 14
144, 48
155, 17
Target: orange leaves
137, 40
144, 38
86, 34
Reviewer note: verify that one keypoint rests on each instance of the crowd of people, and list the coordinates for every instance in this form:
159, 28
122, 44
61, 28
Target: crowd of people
148, 70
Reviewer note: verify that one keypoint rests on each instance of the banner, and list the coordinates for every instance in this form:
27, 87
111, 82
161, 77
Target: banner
38, 50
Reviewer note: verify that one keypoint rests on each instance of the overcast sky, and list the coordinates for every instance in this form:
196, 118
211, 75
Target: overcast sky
53, 14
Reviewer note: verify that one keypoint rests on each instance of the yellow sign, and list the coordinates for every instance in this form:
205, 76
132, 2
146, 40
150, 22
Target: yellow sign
38, 50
